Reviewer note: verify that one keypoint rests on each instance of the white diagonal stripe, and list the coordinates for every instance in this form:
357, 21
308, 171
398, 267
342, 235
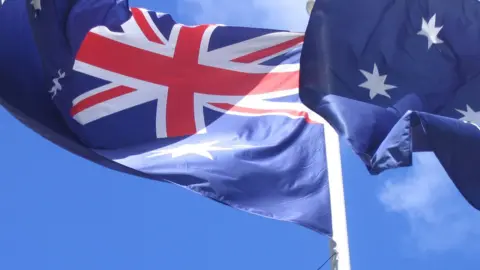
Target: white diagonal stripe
130, 38
153, 25
115, 105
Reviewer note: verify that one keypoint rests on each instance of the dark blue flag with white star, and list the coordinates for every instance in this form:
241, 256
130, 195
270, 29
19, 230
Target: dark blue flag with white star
211, 108
395, 77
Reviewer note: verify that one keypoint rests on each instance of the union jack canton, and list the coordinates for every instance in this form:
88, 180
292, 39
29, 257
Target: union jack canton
181, 71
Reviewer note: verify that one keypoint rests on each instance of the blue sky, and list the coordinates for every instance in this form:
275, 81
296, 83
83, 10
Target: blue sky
58, 211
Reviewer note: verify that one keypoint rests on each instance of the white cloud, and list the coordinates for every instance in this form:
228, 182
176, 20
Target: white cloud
275, 14
440, 219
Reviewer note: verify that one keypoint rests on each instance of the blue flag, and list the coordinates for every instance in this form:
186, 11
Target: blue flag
396, 77
214, 109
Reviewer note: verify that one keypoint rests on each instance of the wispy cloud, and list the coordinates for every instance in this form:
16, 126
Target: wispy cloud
439, 217
275, 14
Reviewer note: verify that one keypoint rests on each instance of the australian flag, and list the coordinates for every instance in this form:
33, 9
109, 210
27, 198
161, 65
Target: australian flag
211, 108
395, 77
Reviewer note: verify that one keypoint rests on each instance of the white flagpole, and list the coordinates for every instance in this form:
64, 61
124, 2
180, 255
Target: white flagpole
339, 244
339, 249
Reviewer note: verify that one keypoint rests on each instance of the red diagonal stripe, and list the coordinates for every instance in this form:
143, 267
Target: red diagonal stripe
99, 98
125, 59
255, 111
252, 57
145, 26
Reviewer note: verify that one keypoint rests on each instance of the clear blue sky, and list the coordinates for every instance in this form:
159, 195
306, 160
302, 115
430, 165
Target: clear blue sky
58, 211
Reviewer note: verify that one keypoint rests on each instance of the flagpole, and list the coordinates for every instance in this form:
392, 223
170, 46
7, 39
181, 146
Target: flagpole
339, 248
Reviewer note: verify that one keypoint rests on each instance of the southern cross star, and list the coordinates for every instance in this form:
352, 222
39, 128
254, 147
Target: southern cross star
376, 83
37, 6
56, 83
201, 149
430, 31
470, 116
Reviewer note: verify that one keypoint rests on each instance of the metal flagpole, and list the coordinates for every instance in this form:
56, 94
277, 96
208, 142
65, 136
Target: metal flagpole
339, 249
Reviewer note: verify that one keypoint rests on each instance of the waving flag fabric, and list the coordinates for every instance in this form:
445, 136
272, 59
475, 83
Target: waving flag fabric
211, 108
395, 77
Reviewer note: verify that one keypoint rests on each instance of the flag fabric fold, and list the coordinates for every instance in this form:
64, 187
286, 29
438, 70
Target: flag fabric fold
397, 77
211, 108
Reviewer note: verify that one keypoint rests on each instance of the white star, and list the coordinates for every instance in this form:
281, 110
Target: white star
430, 31
376, 83
470, 116
56, 83
201, 149
37, 6
2, 1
